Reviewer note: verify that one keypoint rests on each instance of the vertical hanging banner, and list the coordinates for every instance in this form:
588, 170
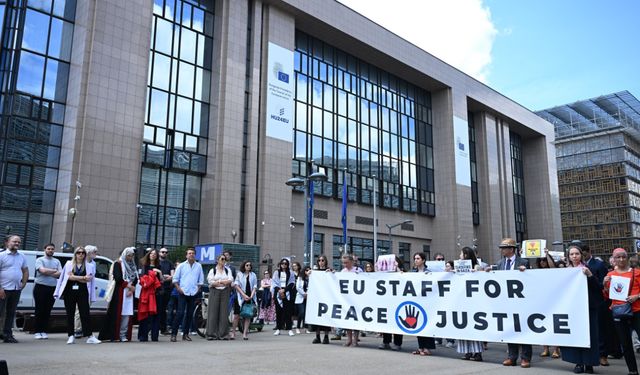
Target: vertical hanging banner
540, 307
461, 144
280, 91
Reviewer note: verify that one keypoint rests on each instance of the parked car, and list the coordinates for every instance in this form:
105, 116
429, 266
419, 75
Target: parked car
26, 306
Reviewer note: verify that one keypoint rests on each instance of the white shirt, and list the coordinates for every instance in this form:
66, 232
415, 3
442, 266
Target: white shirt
214, 276
11, 267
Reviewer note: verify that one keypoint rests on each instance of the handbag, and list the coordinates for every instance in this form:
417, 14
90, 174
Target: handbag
248, 310
111, 286
623, 311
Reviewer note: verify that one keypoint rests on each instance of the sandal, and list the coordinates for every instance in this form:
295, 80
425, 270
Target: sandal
347, 344
417, 352
555, 355
426, 352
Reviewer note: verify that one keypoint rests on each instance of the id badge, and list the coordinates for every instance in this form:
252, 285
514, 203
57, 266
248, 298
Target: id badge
75, 287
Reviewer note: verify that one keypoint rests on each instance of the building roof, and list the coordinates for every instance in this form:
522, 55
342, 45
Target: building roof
620, 110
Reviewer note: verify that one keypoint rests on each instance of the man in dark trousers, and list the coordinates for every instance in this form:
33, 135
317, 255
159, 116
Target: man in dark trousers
511, 261
599, 271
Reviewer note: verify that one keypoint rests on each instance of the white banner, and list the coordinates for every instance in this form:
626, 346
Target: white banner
280, 90
541, 307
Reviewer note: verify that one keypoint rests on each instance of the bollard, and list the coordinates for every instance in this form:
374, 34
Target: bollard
4, 370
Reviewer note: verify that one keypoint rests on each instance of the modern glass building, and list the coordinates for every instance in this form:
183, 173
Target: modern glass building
178, 122
598, 149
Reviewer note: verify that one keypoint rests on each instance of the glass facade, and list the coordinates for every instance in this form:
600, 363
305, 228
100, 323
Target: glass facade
475, 200
519, 204
355, 119
362, 248
176, 126
35, 55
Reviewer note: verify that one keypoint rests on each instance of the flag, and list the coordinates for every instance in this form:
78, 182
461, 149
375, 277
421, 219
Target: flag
344, 209
310, 213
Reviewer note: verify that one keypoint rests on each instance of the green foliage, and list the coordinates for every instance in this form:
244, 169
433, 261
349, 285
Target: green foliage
178, 254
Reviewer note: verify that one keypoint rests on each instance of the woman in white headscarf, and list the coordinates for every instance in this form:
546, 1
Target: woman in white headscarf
118, 324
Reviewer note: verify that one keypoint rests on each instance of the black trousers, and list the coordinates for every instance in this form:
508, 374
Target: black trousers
43, 298
525, 353
623, 329
9, 305
426, 342
162, 309
283, 314
80, 297
397, 339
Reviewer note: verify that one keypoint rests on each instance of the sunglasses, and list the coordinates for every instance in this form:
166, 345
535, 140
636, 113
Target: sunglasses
81, 252
439, 258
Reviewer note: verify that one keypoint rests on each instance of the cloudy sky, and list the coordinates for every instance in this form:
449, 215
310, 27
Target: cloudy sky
541, 53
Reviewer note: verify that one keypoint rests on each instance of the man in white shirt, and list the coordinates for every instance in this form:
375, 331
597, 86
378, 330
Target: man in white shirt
14, 274
187, 280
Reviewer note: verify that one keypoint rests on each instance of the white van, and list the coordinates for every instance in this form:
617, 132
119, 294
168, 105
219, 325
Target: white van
26, 305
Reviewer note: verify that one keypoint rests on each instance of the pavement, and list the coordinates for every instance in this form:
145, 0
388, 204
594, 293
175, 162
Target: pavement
263, 353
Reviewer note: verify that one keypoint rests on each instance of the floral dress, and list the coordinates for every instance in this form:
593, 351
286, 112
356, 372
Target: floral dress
267, 307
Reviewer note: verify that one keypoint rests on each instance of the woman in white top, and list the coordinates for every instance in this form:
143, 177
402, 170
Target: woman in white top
220, 279
246, 285
302, 283
76, 286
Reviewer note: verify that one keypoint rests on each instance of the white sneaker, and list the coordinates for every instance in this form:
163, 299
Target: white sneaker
298, 331
123, 339
93, 340
291, 333
277, 332
37, 336
44, 336
71, 340
307, 331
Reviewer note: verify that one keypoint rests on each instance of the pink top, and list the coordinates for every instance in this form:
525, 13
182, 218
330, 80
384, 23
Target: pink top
265, 283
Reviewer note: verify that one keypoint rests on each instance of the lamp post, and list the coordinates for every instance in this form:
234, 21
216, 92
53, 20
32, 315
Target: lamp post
390, 226
308, 224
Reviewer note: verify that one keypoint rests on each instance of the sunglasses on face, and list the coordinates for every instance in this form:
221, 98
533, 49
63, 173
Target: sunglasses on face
81, 252
439, 258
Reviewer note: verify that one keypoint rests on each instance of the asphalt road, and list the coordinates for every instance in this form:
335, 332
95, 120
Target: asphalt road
262, 353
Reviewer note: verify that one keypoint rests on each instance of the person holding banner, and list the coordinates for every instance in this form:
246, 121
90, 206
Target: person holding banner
586, 358
348, 265
282, 284
424, 343
322, 264
472, 350
386, 337
511, 261
624, 325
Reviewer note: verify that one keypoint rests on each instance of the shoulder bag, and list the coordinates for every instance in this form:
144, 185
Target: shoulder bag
624, 311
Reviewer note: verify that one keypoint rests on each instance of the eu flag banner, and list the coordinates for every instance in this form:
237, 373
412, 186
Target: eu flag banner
344, 209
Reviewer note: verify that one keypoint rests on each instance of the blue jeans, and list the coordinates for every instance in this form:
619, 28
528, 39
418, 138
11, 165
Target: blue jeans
185, 306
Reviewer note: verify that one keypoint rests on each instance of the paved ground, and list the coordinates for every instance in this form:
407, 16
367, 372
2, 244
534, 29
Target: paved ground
262, 353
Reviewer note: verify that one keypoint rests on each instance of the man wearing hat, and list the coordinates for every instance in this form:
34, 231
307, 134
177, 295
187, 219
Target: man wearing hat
511, 261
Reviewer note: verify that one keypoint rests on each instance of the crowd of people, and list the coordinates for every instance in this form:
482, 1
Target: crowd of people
167, 294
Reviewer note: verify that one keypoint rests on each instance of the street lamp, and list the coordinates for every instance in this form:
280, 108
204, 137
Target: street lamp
390, 226
308, 232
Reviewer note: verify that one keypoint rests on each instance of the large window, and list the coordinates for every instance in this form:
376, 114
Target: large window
176, 123
355, 119
36, 50
361, 248
519, 204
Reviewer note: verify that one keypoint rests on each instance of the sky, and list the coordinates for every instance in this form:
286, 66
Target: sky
540, 53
